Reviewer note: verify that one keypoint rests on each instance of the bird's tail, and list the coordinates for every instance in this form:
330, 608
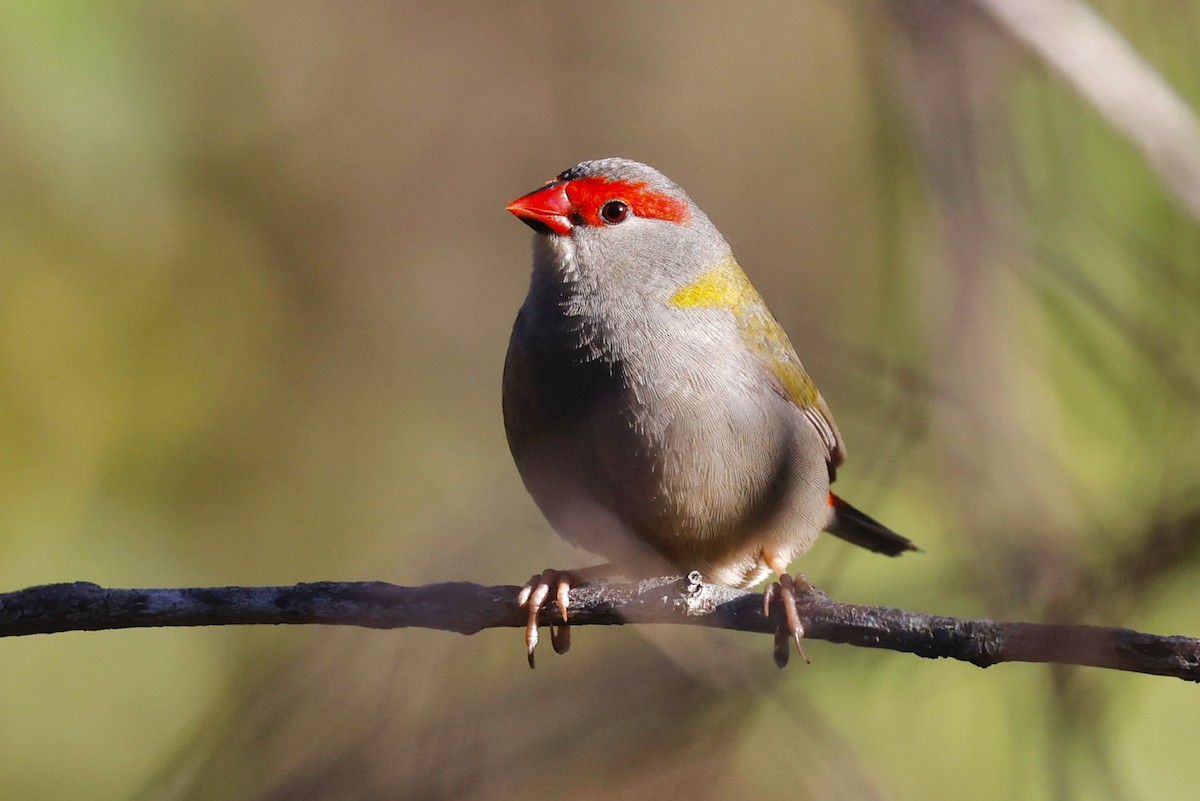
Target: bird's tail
853, 526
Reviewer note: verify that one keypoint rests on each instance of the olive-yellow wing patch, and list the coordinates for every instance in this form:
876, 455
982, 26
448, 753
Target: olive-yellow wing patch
726, 286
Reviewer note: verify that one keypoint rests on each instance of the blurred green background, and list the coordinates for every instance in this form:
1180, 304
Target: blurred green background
256, 281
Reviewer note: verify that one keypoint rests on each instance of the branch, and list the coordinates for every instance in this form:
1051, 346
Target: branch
1103, 67
469, 608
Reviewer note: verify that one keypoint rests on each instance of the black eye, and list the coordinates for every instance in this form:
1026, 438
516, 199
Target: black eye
614, 211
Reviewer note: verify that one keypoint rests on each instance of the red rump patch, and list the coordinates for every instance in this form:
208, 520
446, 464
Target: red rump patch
589, 194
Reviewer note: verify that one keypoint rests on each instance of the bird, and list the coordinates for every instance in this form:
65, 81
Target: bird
656, 410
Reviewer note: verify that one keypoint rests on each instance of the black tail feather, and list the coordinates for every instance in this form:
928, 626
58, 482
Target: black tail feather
864, 531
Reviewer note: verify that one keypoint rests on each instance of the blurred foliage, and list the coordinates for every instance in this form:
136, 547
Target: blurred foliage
255, 287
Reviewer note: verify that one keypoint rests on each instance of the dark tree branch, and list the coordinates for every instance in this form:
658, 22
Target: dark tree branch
468, 608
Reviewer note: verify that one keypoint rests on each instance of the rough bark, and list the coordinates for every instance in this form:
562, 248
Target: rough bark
467, 608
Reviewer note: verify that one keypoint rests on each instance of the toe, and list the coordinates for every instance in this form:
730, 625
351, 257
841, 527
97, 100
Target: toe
563, 595
795, 627
792, 628
531, 634
783, 647
769, 595
560, 638
803, 586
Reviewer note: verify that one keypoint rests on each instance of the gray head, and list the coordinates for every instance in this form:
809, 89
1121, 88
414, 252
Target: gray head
619, 219
619, 170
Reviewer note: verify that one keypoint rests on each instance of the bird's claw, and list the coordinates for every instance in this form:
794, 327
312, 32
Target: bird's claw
792, 628
534, 595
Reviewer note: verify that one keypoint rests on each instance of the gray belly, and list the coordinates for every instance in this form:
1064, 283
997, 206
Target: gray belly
690, 471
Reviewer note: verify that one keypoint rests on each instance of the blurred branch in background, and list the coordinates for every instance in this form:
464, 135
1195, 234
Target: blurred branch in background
469, 608
1034, 177
1104, 68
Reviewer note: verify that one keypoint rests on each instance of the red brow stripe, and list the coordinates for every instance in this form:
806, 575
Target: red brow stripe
589, 194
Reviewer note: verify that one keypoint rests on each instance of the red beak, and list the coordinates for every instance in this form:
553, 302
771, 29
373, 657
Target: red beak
546, 210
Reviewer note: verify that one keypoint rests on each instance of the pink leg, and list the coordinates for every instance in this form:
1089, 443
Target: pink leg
785, 590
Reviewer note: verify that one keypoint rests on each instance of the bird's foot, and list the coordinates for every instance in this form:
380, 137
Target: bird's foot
792, 629
536, 593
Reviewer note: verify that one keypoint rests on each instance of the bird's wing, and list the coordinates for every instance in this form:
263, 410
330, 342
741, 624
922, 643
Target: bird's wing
769, 342
727, 286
